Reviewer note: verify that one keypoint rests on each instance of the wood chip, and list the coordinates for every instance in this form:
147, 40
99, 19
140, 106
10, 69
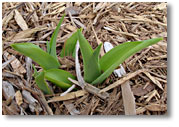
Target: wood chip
68, 96
156, 107
92, 89
151, 95
73, 10
99, 6
153, 79
33, 103
20, 21
140, 91
71, 108
27, 33
157, 57
7, 62
120, 32
122, 80
8, 90
18, 97
128, 99
161, 6
139, 20
29, 70
70, 27
16, 64
7, 18
140, 110
79, 23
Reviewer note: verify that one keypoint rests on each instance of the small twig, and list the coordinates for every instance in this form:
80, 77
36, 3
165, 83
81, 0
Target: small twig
120, 32
139, 20
92, 89
45, 104
68, 96
68, 90
72, 19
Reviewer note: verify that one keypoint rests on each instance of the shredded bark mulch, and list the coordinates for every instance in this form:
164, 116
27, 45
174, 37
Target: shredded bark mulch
101, 22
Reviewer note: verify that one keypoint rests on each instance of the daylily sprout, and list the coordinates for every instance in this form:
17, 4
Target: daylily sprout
96, 69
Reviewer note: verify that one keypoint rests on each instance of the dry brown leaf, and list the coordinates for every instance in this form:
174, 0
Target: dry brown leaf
68, 96
156, 107
18, 97
20, 21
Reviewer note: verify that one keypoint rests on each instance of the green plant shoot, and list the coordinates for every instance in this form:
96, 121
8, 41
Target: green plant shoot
96, 69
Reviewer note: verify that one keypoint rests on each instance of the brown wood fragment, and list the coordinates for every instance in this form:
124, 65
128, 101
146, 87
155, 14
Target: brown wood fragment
140, 110
140, 91
68, 96
8, 90
73, 10
18, 97
156, 107
128, 99
45, 104
92, 89
122, 80
20, 21
27, 33
7, 18
71, 108
16, 64
139, 20
154, 80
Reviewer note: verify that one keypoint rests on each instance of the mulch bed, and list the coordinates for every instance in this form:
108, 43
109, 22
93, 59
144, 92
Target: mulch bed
105, 22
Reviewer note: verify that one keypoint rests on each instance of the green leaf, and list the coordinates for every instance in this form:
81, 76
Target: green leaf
119, 54
45, 60
54, 38
35, 71
90, 59
59, 77
39, 79
69, 46
48, 47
